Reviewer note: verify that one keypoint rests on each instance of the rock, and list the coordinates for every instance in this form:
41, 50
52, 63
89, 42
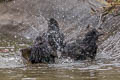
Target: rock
25, 54
31, 17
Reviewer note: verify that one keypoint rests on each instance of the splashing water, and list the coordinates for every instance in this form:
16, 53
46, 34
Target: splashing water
73, 17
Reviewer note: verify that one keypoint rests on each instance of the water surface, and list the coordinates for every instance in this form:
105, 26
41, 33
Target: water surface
13, 68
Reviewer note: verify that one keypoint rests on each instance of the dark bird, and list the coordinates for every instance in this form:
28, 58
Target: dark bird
54, 36
44, 48
39, 52
83, 49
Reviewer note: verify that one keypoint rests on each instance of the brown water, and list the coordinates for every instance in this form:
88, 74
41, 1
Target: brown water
43, 72
12, 67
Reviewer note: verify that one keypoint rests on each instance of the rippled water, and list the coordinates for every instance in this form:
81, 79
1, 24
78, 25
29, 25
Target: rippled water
44, 72
12, 67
